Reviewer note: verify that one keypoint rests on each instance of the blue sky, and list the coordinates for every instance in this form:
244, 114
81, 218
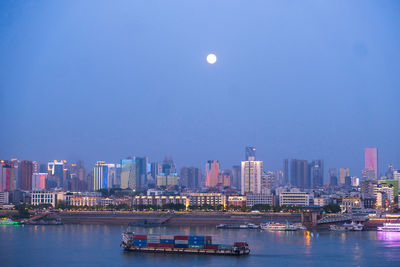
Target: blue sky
101, 80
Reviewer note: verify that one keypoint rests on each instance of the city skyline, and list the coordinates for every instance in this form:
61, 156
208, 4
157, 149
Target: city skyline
317, 88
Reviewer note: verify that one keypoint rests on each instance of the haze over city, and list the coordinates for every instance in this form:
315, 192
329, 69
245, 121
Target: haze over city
103, 81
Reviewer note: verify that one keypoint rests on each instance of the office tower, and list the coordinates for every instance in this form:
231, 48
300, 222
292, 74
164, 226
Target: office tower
251, 176
225, 178
43, 168
128, 173
190, 177
16, 174
343, 173
26, 175
333, 176
112, 175
39, 181
299, 173
118, 170
250, 153
371, 160
389, 172
155, 169
100, 176
368, 175
168, 166
141, 171
56, 170
212, 173
285, 180
236, 176
317, 173
368, 189
268, 182
6, 176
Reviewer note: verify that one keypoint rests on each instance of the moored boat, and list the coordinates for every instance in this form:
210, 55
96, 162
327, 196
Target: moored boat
7, 221
389, 227
180, 244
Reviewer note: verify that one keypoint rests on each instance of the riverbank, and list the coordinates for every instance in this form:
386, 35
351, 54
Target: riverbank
181, 218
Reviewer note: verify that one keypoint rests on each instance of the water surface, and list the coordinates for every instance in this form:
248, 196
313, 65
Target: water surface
98, 245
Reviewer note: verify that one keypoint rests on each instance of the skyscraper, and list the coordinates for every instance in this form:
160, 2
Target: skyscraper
371, 160
6, 176
212, 173
100, 176
26, 175
333, 176
317, 173
251, 176
128, 173
285, 180
141, 171
299, 173
250, 153
56, 169
343, 173
39, 181
190, 177
236, 176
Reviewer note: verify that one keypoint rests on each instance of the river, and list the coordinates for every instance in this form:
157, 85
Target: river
98, 245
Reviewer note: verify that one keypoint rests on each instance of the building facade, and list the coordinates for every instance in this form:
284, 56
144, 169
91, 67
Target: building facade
251, 177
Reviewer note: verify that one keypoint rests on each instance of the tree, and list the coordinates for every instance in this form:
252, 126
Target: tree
23, 211
332, 208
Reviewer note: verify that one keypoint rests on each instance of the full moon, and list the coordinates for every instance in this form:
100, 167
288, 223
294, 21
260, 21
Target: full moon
211, 58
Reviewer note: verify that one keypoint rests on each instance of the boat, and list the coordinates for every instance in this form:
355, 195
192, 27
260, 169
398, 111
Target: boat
389, 227
347, 227
7, 221
180, 244
271, 226
238, 226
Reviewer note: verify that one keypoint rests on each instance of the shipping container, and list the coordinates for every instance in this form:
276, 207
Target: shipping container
153, 241
240, 244
153, 245
140, 236
196, 237
181, 245
153, 237
165, 245
181, 237
208, 240
196, 242
140, 240
166, 241
196, 246
211, 247
225, 247
139, 244
167, 237
182, 242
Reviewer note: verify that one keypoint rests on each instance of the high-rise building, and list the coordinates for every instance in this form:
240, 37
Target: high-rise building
333, 176
317, 173
268, 182
190, 177
6, 176
155, 169
371, 160
285, 180
100, 176
299, 173
343, 173
128, 173
39, 181
236, 176
251, 176
168, 166
26, 175
250, 153
225, 178
212, 173
56, 170
141, 171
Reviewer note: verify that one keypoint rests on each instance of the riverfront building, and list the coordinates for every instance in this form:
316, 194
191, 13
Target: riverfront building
160, 200
294, 198
212, 173
251, 177
43, 197
254, 199
213, 199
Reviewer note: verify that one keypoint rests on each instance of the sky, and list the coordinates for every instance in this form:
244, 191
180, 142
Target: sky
103, 80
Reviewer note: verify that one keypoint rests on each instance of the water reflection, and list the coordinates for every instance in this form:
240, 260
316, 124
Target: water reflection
392, 239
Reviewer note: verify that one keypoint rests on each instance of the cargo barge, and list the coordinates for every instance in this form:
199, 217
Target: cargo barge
180, 244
